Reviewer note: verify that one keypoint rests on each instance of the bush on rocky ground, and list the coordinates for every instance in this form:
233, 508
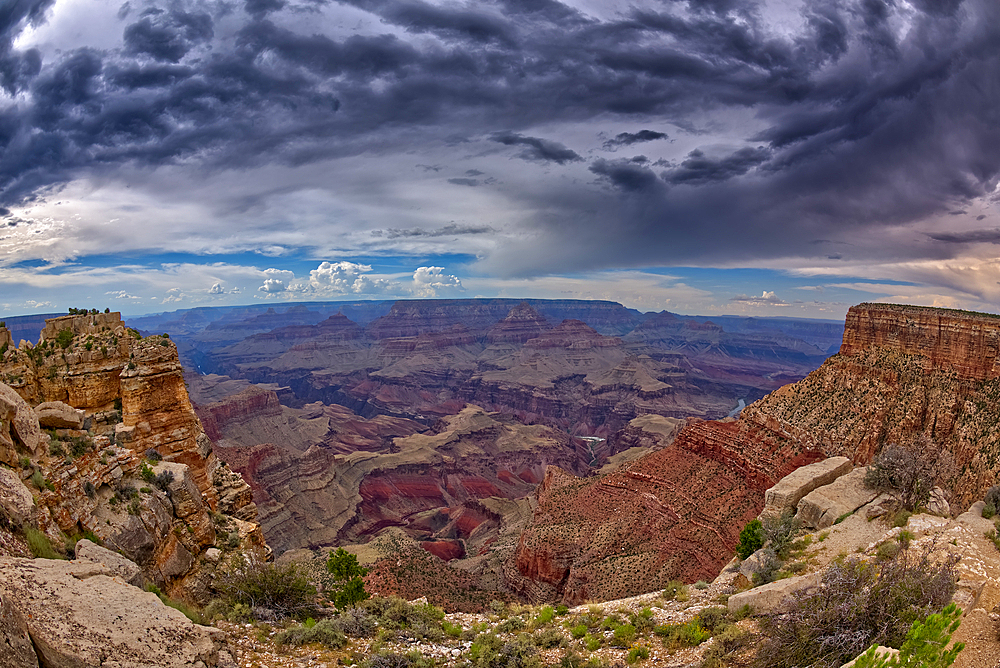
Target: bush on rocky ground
857, 604
281, 590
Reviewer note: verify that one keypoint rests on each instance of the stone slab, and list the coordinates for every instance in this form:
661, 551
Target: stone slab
785, 495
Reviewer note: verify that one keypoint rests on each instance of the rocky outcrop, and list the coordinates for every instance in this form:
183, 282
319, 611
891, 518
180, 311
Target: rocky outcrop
124, 568
522, 324
90, 474
785, 495
81, 614
354, 477
771, 596
16, 649
823, 506
16, 501
903, 372
19, 430
960, 342
57, 415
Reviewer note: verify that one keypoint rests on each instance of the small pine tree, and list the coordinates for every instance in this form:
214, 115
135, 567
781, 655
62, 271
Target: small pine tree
751, 539
924, 646
347, 573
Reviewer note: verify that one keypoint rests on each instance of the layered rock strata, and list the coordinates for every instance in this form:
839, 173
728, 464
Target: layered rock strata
111, 398
903, 373
329, 476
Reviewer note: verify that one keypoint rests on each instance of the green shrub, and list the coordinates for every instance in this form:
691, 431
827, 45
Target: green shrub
724, 644
751, 539
701, 584
714, 620
249, 579
578, 631
348, 588
989, 510
545, 616
562, 609
492, 651
924, 645
675, 590
637, 653
779, 530
510, 625
420, 621
39, 544
624, 635
357, 623
592, 642
324, 633
38, 480
56, 449
549, 638
676, 636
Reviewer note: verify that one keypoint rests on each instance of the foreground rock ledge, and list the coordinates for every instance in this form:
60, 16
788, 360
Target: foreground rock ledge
78, 614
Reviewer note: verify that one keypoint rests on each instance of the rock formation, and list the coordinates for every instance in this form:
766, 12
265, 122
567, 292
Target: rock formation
109, 399
903, 372
81, 613
329, 476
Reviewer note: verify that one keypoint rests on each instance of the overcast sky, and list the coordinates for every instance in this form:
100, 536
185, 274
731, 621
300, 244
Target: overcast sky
787, 157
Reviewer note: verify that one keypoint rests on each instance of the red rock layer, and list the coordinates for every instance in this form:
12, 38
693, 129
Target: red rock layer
673, 514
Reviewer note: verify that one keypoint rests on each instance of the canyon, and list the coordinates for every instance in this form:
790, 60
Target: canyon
522, 457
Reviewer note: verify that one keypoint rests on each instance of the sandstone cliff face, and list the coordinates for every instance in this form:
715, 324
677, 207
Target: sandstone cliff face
903, 372
95, 475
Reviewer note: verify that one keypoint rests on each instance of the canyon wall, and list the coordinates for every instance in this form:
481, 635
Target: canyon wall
123, 455
903, 373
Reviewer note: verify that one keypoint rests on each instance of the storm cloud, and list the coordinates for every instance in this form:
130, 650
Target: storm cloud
846, 121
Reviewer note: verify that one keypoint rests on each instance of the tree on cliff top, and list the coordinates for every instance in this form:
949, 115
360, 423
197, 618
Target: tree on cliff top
349, 588
910, 472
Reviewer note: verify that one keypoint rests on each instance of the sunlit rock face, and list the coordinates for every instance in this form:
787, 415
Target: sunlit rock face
110, 398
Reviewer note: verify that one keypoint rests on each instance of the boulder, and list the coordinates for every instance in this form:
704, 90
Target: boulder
25, 422
16, 500
785, 496
771, 596
58, 415
124, 568
973, 518
759, 561
78, 615
823, 506
938, 503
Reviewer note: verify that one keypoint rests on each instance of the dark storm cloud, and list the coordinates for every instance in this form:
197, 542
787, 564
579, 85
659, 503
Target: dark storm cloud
168, 36
971, 236
626, 175
699, 169
17, 68
460, 181
629, 138
445, 231
855, 122
541, 150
